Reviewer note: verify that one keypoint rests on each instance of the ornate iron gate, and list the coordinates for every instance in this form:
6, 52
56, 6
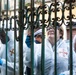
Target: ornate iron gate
34, 14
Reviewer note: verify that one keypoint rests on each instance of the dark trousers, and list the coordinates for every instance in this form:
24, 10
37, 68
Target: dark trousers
28, 71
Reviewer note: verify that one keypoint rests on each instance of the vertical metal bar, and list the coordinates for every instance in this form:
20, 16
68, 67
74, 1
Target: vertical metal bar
55, 39
20, 37
6, 34
0, 7
23, 31
43, 44
14, 37
23, 4
0, 12
71, 61
32, 37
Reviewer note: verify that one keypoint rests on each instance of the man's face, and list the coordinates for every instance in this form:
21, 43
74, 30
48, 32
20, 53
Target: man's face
51, 33
38, 38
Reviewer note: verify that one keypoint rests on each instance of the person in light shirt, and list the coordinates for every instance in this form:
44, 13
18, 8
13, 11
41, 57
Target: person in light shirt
73, 60
61, 49
12, 59
9, 40
37, 40
62, 52
74, 53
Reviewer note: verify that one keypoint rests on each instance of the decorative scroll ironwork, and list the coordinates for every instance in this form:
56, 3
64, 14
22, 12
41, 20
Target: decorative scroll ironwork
62, 10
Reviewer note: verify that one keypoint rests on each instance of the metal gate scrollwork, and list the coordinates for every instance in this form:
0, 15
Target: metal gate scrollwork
34, 15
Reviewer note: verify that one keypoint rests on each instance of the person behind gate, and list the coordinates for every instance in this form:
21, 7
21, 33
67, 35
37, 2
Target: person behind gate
62, 52
37, 40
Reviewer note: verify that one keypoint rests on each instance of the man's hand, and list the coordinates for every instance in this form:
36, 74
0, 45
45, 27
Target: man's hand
28, 41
